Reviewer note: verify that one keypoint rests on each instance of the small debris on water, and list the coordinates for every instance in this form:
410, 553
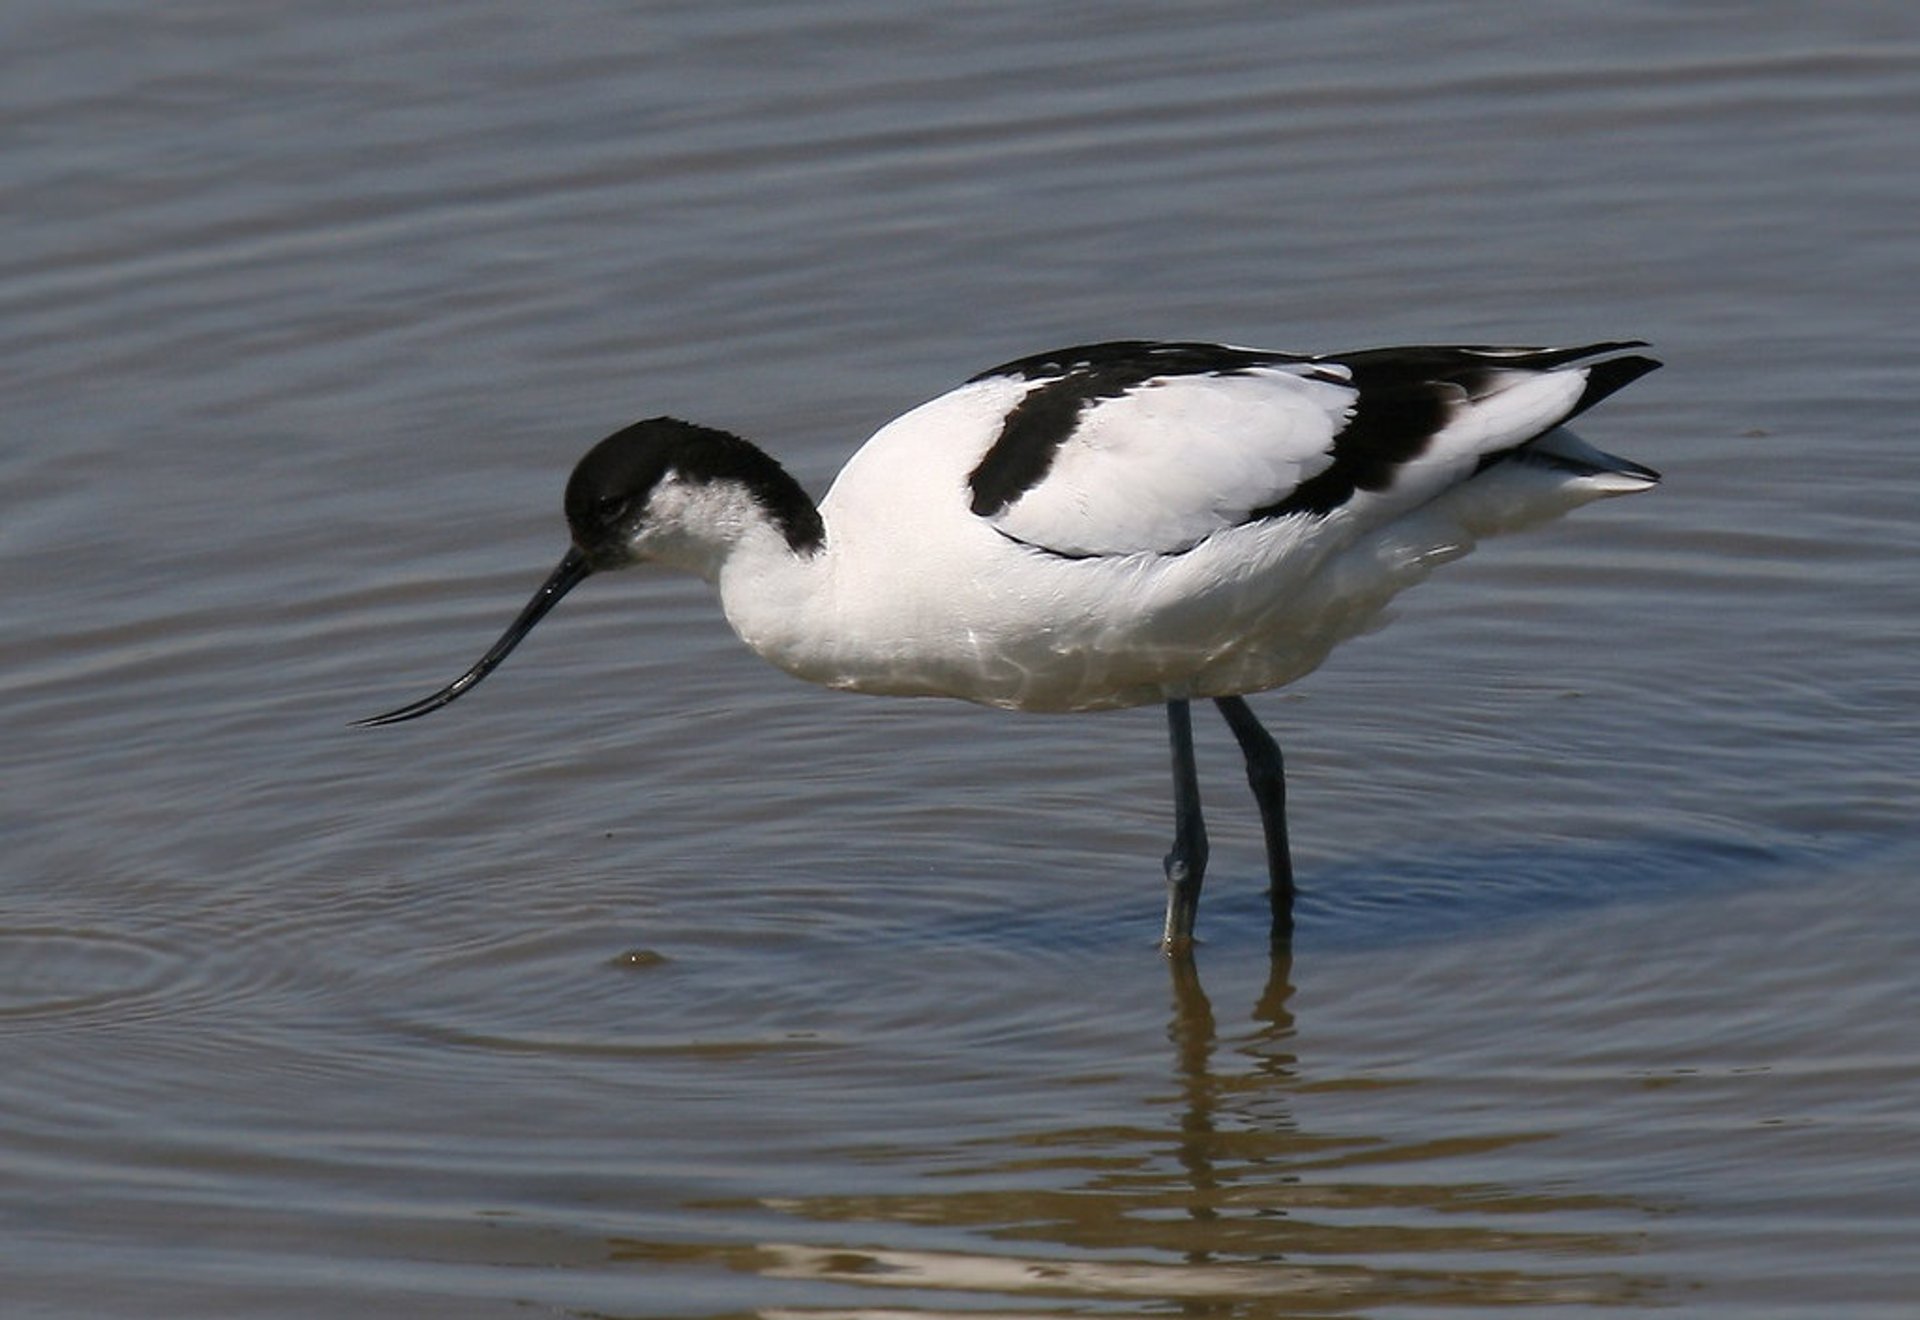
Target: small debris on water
638, 960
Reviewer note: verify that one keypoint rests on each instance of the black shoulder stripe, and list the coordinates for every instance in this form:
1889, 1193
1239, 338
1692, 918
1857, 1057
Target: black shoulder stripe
1070, 380
1029, 438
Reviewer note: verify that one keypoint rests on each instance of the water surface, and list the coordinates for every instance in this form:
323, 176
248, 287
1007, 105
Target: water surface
651, 983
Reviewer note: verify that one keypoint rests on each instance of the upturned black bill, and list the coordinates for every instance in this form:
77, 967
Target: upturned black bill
573, 570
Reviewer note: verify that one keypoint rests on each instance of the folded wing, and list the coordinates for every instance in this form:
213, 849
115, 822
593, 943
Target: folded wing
1149, 448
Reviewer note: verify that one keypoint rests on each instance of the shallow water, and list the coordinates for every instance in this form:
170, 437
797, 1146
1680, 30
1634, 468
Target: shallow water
650, 983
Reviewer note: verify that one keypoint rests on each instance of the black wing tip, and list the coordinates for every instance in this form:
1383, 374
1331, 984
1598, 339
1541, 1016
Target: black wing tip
1613, 375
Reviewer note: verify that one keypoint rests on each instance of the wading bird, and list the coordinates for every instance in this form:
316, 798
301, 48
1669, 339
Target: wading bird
1119, 524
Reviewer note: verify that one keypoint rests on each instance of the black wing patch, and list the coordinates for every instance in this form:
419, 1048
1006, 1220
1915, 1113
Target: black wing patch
1393, 419
1406, 396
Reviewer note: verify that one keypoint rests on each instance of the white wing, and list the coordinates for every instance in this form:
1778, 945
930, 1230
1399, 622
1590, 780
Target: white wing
1175, 459
1133, 448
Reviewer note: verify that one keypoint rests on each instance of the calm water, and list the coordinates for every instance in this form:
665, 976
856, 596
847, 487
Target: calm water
651, 983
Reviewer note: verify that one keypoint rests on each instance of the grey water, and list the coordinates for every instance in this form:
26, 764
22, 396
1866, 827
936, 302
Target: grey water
647, 982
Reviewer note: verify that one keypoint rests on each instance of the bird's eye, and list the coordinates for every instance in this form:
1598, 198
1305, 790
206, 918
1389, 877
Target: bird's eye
610, 506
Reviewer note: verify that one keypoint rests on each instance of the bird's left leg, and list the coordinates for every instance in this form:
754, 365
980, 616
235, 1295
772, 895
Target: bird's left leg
1267, 775
1187, 862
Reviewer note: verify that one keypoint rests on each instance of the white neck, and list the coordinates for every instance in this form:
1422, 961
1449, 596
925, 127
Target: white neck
774, 595
776, 599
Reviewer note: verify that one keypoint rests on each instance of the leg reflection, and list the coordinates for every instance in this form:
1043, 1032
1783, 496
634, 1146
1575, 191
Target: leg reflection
1204, 1149
1194, 1037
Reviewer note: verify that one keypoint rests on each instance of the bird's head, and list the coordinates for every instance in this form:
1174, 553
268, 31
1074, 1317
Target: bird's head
612, 513
658, 491
632, 498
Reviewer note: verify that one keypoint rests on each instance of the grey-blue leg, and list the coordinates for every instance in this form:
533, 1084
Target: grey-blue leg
1187, 863
1267, 775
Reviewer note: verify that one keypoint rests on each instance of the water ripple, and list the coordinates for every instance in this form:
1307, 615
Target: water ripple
60, 976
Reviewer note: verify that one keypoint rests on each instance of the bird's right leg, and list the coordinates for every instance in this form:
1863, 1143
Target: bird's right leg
1187, 862
1267, 776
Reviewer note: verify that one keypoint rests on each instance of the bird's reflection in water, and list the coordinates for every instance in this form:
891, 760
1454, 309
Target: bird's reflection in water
1195, 1038
1217, 1201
